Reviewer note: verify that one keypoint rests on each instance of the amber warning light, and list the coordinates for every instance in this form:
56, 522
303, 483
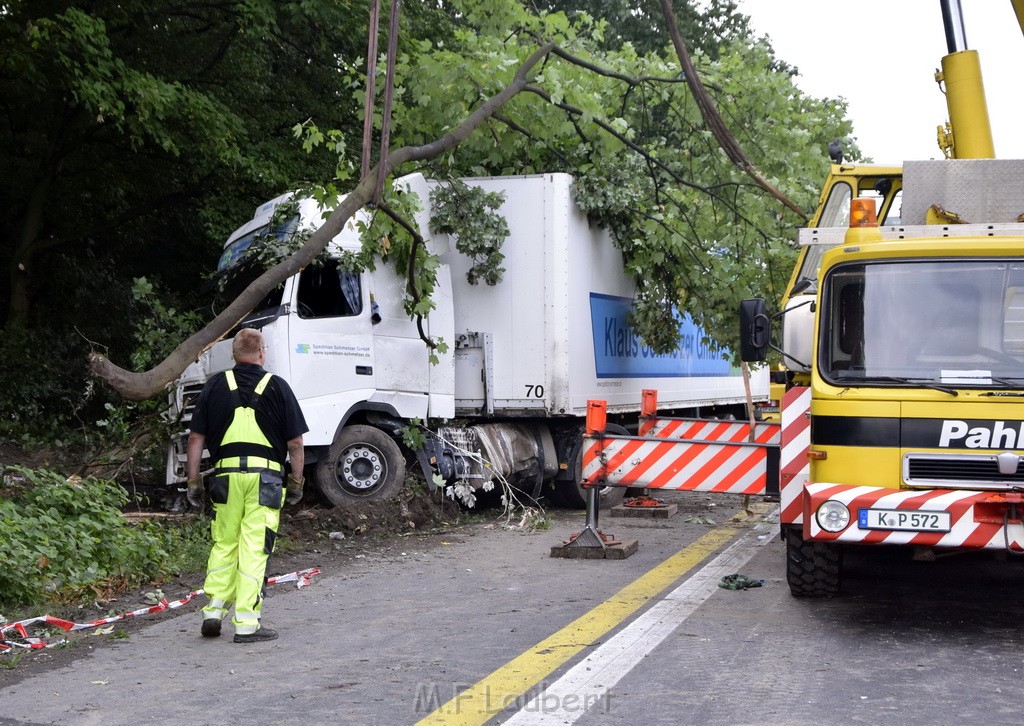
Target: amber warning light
862, 212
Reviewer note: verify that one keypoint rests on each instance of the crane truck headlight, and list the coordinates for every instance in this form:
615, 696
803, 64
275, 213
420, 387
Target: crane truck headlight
833, 516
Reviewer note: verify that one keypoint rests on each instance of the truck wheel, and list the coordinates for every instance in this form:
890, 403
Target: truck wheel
813, 569
363, 463
571, 494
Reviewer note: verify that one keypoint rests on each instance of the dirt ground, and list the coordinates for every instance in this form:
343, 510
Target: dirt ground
311, 535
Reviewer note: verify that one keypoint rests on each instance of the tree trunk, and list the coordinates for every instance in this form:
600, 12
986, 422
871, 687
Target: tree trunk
19, 303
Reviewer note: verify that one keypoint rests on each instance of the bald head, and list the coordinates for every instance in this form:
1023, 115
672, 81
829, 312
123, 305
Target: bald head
248, 346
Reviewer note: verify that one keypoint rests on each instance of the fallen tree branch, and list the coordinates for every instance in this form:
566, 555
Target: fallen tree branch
138, 386
410, 274
713, 119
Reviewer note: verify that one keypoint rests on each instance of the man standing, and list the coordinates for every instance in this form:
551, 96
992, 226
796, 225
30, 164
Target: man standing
248, 419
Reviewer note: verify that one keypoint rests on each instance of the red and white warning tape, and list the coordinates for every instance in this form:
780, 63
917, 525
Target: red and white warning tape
16, 635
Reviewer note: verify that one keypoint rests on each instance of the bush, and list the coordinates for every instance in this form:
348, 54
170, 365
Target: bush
65, 539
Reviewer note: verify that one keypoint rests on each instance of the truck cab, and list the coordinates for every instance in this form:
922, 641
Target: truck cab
907, 391
343, 341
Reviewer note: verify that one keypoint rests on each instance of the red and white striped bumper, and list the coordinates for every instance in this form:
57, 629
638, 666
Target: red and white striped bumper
979, 520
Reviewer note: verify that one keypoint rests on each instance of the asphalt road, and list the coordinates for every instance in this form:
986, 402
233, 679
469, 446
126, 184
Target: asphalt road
906, 643
483, 623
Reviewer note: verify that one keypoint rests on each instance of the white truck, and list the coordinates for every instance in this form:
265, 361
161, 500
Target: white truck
524, 355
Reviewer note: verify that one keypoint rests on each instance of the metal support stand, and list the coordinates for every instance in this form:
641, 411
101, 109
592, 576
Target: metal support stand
590, 536
590, 543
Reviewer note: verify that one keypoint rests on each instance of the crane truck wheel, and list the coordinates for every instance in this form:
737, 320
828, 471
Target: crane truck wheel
362, 464
813, 569
571, 494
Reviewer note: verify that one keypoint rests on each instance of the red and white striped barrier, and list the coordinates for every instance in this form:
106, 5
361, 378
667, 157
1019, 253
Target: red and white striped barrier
731, 457
794, 465
682, 454
16, 635
702, 429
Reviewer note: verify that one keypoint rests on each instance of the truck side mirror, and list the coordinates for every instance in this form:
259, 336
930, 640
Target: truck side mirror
754, 329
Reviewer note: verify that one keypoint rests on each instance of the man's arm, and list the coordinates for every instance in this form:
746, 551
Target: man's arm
296, 455
196, 444
194, 491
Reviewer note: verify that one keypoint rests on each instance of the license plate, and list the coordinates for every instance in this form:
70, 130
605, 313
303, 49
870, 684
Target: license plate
904, 520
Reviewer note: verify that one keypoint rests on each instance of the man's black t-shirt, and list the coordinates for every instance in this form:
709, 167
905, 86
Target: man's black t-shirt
278, 414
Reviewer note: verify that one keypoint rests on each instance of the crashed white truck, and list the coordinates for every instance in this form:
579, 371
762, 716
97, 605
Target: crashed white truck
524, 356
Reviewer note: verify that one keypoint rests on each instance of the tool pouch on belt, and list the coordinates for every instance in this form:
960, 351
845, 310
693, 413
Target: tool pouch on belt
218, 486
271, 489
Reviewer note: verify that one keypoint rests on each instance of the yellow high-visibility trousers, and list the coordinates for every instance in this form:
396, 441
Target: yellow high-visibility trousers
244, 531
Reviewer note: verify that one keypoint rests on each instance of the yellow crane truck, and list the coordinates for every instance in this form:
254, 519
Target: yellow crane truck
903, 344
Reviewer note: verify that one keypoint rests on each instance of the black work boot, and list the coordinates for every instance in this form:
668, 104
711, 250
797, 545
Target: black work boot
257, 637
211, 627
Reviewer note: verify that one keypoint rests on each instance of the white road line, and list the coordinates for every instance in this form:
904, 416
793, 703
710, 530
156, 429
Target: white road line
586, 684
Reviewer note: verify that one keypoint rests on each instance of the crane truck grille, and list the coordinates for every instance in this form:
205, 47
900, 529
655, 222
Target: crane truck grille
964, 471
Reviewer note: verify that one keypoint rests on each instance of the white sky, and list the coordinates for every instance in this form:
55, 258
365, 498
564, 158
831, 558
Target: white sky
881, 56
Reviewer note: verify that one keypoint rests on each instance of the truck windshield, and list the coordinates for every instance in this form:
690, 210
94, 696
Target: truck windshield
956, 323
239, 266
235, 251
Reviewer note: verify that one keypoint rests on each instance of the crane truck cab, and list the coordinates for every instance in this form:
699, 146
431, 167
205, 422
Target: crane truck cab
826, 229
908, 380
902, 387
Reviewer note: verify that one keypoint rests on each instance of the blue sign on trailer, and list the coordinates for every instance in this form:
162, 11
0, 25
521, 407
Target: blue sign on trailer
619, 352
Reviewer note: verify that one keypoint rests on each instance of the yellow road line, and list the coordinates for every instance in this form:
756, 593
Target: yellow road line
482, 701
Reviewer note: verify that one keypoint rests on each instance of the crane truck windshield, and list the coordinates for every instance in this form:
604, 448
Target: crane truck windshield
947, 323
882, 184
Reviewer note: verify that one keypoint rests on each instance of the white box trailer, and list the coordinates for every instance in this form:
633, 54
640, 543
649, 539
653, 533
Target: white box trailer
525, 355
559, 318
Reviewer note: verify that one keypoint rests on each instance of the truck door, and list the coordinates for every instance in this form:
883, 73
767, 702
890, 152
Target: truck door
330, 342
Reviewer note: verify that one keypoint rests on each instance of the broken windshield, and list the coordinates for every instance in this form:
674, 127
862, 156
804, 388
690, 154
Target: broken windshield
236, 250
243, 260
952, 322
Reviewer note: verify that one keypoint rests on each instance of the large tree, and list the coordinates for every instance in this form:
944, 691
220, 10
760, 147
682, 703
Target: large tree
517, 92
138, 133
134, 135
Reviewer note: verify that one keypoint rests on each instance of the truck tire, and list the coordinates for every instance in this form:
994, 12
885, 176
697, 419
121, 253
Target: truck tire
813, 569
362, 464
571, 494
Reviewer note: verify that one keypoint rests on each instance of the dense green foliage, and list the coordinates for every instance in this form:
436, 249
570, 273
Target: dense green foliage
63, 540
480, 236
641, 24
695, 231
138, 134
